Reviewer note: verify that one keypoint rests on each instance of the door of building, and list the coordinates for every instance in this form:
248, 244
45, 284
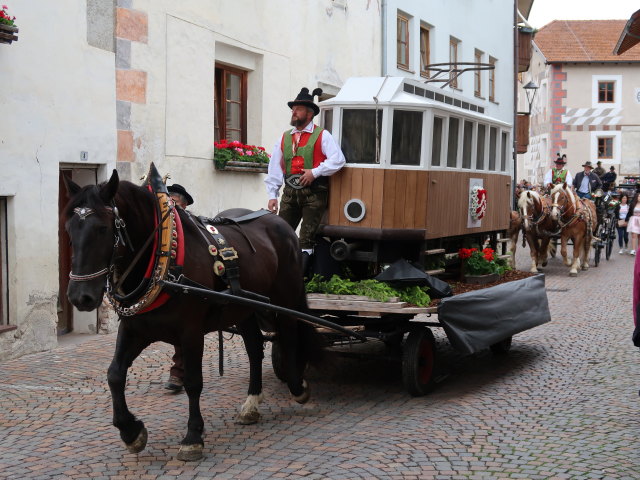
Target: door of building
71, 319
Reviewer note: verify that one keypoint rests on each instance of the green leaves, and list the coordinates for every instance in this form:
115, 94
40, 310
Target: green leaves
370, 288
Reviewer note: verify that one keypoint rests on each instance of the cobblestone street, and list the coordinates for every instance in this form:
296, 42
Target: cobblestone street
562, 404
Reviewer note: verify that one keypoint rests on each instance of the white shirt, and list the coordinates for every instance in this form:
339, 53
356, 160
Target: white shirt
624, 209
549, 177
335, 161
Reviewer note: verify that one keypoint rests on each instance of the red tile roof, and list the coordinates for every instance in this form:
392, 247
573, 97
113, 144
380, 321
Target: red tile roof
630, 36
568, 41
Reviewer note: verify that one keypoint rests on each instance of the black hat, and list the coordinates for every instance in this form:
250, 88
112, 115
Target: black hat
305, 99
599, 162
612, 168
587, 164
176, 188
561, 159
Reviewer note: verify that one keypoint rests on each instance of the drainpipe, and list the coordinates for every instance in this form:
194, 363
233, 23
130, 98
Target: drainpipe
383, 14
516, 51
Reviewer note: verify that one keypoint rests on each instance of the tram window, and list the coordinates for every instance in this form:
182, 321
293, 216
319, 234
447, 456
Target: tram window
493, 137
467, 144
452, 151
407, 137
505, 149
327, 120
436, 144
482, 132
359, 135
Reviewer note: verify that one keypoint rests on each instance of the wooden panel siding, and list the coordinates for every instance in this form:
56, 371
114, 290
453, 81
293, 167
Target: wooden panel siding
448, 203
415, 199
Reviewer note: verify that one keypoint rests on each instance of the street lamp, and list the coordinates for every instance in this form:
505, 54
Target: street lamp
530, 89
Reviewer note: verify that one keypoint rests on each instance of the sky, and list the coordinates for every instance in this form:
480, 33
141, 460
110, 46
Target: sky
545, 11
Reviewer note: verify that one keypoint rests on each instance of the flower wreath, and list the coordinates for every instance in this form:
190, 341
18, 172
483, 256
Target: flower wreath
478, 199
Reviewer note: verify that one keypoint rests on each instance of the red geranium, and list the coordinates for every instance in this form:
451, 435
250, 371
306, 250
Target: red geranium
466, 252
5, 18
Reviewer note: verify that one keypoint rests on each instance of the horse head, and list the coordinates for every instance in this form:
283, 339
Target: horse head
527, 206
561, 200
90, 224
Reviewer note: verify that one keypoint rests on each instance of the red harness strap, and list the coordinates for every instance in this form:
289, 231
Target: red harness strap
178, 245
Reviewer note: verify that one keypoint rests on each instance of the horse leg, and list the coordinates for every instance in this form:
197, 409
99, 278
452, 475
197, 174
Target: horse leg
575, 265
289, 338
533, 252
128, 346
586, 248
563, 251
544, 247
254, 344
192, 444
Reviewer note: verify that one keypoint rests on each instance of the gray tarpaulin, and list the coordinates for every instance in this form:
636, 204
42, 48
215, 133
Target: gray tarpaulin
476, 320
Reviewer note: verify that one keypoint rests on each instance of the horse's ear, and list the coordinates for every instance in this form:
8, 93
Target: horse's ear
109, 189
71, 186
528, 194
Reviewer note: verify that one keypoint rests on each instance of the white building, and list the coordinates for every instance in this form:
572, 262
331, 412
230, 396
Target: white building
127, 82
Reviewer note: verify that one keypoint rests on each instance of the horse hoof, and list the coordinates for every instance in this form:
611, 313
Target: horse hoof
544, 264
303, 397
190, 453
585, 267
139, 443
248, 418
573, 274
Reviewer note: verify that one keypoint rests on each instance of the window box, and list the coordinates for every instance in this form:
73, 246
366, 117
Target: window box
235, 166
8, 33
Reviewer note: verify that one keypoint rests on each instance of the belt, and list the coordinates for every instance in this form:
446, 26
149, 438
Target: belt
294, 181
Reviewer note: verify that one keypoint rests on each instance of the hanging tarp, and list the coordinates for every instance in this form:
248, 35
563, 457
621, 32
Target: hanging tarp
476, 320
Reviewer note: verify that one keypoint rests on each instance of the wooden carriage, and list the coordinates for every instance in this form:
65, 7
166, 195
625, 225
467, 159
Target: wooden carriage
414, 153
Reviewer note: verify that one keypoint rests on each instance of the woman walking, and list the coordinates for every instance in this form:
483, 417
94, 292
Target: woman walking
633, 221
621, 226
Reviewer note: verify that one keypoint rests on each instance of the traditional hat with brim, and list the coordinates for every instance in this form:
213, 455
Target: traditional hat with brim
177, 188
306, 99
588, 164
561, 159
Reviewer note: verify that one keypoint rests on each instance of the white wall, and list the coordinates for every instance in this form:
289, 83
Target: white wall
284, 45
484, 25
57, 97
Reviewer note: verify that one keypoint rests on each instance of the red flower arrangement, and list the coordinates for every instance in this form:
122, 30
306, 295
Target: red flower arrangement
235, 151
481, 262
5, 18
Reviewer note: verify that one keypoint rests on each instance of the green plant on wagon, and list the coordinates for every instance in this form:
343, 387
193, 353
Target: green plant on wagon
482, 262
369, 288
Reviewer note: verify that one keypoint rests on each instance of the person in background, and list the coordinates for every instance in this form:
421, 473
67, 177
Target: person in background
621, 223
610, 177
599, 171
176, 373
633, 221
303, 159
559, 174
586, 181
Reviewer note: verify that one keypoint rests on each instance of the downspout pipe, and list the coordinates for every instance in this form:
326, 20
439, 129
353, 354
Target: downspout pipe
516, 51
383, 14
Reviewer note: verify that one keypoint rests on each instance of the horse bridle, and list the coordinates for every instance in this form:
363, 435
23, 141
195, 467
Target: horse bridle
121, 237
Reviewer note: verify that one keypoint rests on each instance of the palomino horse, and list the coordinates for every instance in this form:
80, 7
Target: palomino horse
577, 219
102, 219
538, 226
515, 225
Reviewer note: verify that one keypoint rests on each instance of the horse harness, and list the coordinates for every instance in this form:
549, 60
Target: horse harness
168, 255
579, 214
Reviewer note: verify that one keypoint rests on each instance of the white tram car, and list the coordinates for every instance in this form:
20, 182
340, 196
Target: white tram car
427, 173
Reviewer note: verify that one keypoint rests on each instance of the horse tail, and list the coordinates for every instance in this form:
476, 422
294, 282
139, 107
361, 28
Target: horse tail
551, 249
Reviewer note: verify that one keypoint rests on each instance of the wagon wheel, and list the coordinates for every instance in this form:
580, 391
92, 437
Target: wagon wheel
597, 246
418, 362
277, 361
502, 347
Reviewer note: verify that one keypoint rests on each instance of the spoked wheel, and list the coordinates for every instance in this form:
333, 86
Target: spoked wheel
418, 362
598, 250
502, 347
609, 247
610, 238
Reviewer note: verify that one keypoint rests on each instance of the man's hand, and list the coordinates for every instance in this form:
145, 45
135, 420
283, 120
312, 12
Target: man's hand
272, 206
307, 178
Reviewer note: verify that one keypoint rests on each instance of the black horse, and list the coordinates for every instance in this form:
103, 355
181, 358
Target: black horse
269, 265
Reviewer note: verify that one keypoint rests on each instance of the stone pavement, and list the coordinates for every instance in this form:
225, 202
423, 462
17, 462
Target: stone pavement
562, 404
